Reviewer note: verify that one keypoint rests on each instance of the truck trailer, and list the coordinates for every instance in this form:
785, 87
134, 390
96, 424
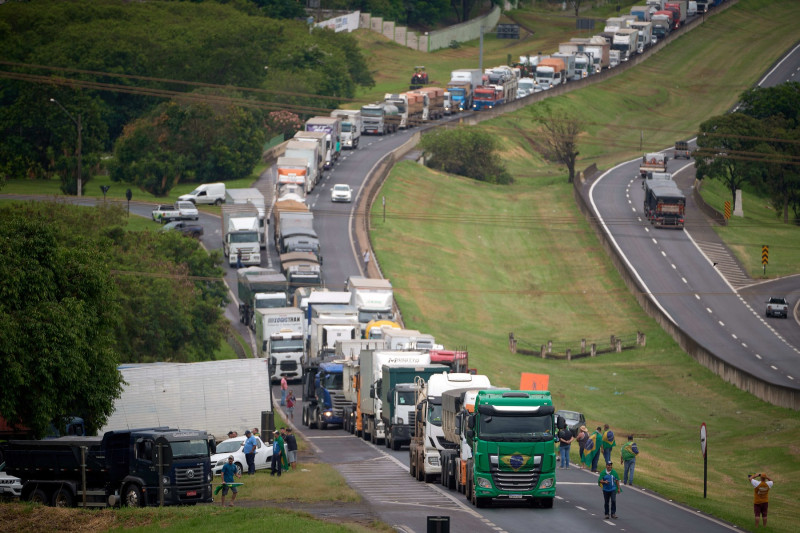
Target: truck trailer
280, 335
259, 288
351, 126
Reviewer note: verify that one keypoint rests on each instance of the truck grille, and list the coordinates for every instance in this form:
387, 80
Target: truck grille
515, 481
339, 403
288, 366
191, 476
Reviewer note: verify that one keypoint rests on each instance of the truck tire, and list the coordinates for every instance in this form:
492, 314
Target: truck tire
132, 496
312, 418
63, 497
411, 470
39, 496
387, 440
364, 429
395, 445
320, 424
218, 202
305, 417
468, 484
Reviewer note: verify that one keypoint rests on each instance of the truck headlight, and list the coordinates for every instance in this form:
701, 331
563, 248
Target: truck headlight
327, 414
165, 480
484, 483
546, 483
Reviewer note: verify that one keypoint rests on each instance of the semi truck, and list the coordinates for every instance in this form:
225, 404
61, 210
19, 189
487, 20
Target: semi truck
254, 197
313, 156
462, 85
550, 72
259, 288
397, 391
664, 204
662, 25
371, 364
409, 107
569, 65
280, 335
652, 162
645, 30
380, 118
292, 177
351, 126
332, 127
241, 236
149, 466
373, 298
642, 13
428, 439
435, 102
487, 97
302, 269
294, 228
323, 143
407, 339
626, 41
505, 77
511, 435
330, 323
350, 352
680, 7
204, 395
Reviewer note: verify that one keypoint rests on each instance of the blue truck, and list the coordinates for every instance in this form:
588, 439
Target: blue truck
138, 467
324, 390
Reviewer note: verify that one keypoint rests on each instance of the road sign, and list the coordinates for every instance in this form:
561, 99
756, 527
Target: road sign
764, 254
703, 438
703, 442
727, 209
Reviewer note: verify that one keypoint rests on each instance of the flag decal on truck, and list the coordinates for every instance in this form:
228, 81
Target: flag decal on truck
515, 461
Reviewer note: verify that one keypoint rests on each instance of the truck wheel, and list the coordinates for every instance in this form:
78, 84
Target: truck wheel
132, 496
63, 498
312, 419
395, 445
305, 417
218, 202
38, 496
445, 465
320, 424
411, 469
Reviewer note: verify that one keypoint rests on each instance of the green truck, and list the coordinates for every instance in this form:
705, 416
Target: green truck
512, 439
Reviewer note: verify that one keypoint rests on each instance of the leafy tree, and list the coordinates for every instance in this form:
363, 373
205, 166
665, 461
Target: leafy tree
57, 312
466, 151
730, 148
281, 9
561, 138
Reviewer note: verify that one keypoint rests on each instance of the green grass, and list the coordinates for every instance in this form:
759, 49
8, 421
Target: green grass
471, 262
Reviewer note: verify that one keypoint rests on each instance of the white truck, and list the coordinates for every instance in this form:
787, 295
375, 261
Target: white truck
645, 30
291, 177
330, 323
626, 41
280, 334
371, 364
255, 198
323, 142
204, 395
332, 128
427, 444
351, 126
241, 237
313, 156
373, 298
407, 339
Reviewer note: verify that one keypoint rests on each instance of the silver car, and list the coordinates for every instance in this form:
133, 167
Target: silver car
341, 193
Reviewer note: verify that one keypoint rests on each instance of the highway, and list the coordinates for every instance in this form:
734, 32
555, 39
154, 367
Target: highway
720, 309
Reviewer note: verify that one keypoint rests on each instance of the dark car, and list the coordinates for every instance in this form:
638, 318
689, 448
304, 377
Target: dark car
574, 420
187, 228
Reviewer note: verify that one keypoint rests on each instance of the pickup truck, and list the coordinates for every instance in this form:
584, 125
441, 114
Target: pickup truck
179, 211
777, 307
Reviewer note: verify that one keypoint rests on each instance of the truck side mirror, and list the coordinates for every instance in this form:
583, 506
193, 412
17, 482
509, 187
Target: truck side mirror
560, 422
470, 434
372, 391
471, 422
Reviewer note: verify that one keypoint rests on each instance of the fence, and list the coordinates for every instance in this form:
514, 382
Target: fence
576, 349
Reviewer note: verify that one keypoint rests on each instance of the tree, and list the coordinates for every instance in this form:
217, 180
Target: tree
467, 151
561, 139
730, 148
57, 313
576, 5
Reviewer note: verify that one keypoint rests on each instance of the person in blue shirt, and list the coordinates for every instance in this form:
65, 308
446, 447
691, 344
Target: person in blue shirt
229, 471
276, 466
609, 481
250, 446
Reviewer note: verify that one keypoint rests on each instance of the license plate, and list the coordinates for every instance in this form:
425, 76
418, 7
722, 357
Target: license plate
515, 496
191, 493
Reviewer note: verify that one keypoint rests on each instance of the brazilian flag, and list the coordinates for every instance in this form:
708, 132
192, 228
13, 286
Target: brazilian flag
590, 449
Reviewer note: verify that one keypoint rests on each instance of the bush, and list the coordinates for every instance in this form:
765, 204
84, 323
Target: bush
466, 151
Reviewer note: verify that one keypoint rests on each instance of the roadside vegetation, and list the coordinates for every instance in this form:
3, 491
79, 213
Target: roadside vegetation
471, 262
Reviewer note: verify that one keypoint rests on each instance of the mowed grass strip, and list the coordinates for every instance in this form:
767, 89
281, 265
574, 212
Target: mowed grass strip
472, 262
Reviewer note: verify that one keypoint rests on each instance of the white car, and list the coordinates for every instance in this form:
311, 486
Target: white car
341, 193
234, 447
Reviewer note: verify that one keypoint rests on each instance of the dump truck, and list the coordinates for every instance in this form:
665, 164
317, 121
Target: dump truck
149, 466
259, 288
294, 228
302, 269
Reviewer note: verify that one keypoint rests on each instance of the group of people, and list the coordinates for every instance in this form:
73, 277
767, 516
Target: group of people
590, 447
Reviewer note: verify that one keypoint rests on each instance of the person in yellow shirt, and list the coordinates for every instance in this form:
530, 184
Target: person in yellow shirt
761, 485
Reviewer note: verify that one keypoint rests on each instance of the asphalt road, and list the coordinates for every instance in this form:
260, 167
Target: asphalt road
710, 299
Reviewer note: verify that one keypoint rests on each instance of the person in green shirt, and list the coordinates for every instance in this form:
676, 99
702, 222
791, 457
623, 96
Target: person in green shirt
628, 454
609, 481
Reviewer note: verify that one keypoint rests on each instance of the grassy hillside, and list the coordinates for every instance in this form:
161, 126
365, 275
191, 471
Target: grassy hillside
472, 262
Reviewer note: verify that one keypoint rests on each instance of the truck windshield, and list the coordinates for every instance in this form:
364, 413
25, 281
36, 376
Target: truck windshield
270, 303
332, 381
346, 127
544, 74
287, 346
516, 428
365, 316
244, 237
435, 414
371, 112
405, 397
188, 448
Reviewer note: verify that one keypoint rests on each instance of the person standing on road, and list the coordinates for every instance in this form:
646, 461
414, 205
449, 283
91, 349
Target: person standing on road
239, 263
366, 261
291, 447
761, 485
608, 443
565, 439
284, 388
591, 453
250, 446
609, 481
290, 400
229, 471
583, 436
628, 453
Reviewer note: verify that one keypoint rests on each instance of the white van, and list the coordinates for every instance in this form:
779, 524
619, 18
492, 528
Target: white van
692, 9
208, 193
